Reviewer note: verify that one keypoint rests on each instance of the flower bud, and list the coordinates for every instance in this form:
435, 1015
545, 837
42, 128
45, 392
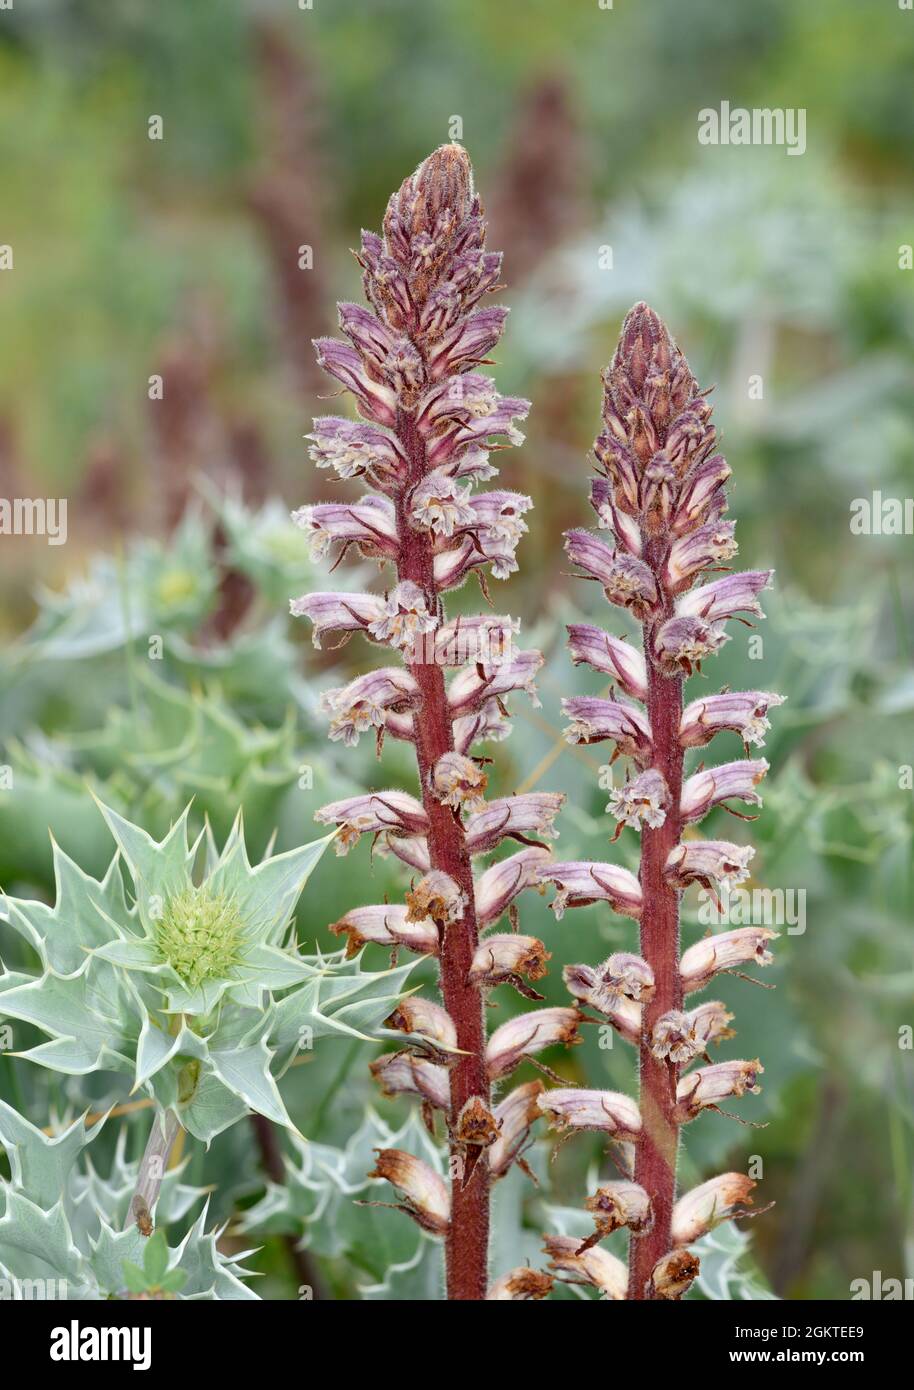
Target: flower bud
595, 1266
702, 495
526, 1034
521, 1285
707, 1086
425, 1196
605, 1112
706, 1206
642, 801
375, 401
581, 883
673, 1275
714, 955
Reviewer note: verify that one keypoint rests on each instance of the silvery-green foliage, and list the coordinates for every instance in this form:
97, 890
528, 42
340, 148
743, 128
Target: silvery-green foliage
60, 1222
391, 1258
195, 990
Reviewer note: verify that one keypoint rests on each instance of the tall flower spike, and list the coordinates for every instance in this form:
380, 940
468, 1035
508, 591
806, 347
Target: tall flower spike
661, 499
413, 361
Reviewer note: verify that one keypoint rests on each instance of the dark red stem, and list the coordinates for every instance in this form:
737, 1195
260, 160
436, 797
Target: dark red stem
655, 1163
468, 1237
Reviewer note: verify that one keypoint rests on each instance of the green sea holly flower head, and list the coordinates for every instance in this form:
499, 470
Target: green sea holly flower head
180, 968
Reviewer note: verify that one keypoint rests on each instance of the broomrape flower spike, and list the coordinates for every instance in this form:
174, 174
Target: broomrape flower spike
412, 361
660, 505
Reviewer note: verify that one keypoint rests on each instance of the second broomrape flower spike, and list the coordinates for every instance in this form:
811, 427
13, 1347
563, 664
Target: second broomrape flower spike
412, 363
661, 497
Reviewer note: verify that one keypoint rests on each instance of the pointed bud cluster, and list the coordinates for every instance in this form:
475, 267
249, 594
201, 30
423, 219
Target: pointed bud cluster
662, 532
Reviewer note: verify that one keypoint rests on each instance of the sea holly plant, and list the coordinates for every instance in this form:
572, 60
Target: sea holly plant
190, 983
431, 421
66, 1232
660, 494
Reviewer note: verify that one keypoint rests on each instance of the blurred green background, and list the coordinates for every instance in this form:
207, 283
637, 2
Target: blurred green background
178, 257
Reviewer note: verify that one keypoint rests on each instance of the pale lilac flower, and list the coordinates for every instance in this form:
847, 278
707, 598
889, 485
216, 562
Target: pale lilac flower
580, 883
702, 1208
596, 648
683, 643
366, 702
595, 1266
354, 449
375, 400
458, 782
736, 593
528, 1033
593, 720
468, 690
333, 612
371, 812
405, 617
605, 1112
514, 1116
587, 986
744, 712
424, 1194
702, 496
487, 725
714, 955
386, 924
708, 1086
712, 544
514, 817
500, 884
642, 801
715, 785
440, 505
708, 862
626, 580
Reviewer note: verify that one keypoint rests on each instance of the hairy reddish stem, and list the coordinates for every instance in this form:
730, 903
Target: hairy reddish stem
655, 1163
468, 1235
